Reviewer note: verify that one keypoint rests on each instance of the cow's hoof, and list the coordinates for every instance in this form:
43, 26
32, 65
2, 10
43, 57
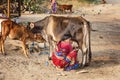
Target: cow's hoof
81, 66
28, 56
87, 64
49, 58
4, 54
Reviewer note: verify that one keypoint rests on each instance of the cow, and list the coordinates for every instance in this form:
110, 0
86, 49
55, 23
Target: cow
103, 1
53, 28
18, 32
65, 7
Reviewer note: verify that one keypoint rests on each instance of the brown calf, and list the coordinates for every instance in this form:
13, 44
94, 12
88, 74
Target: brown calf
65, 7
17, 32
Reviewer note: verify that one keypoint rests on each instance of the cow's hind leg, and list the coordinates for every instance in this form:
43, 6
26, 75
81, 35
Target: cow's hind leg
2, 45
84, 56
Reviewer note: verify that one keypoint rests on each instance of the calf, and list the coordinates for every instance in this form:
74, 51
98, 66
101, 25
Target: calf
53, 28
65, 7
17, 32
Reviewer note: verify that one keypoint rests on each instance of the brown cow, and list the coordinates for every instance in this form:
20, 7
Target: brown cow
103, 1
17, 32
53, 28
65, 7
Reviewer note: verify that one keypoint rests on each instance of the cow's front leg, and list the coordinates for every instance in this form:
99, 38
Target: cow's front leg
24, 49
45, 45
51, 51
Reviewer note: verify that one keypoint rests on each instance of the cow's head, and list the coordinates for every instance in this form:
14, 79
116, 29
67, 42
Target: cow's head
39, 38
36, 30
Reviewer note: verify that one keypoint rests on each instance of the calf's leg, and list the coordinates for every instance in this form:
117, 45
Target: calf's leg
25, 49
2, 45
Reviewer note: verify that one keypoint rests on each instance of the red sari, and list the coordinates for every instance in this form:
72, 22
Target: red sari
65, 56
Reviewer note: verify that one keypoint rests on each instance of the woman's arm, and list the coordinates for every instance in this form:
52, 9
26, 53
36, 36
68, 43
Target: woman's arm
60, 55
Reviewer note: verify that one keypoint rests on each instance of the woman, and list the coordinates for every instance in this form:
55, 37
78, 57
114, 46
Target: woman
65, 56
53, 6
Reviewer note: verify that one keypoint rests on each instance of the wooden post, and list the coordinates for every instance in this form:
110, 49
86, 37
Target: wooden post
19, 7
8, 9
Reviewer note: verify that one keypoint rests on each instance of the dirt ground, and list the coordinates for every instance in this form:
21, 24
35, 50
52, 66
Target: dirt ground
105, 43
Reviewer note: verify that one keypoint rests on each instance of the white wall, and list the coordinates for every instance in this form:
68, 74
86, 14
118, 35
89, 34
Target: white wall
113, 1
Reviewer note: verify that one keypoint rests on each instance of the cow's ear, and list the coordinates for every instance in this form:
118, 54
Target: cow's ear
32, 25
